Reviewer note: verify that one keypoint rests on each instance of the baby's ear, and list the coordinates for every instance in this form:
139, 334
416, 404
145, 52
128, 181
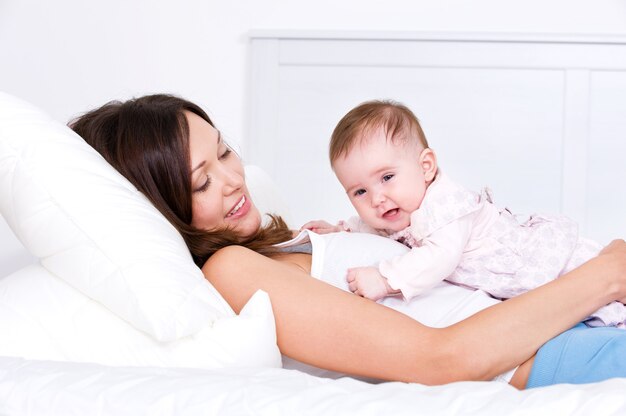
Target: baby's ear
428, 162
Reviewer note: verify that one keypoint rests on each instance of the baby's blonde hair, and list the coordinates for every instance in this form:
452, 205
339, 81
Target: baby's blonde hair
397, 121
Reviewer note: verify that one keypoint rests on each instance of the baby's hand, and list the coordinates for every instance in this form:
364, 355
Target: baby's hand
369, 283
321, 227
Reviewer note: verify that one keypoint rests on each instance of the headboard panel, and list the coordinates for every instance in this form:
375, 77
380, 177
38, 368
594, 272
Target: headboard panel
540, 119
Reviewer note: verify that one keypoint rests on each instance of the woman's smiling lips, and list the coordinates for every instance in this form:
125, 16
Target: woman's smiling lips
240, 209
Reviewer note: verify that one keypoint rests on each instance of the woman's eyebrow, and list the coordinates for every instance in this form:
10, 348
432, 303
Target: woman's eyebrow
219, 140
198, 167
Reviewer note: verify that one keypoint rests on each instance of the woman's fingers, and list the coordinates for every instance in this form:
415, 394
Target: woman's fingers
614, 255
615, 246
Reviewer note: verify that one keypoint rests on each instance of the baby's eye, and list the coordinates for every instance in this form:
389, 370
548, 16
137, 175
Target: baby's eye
359, 192
387, 177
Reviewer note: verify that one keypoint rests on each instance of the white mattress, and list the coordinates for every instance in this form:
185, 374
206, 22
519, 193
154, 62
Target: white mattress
54, 388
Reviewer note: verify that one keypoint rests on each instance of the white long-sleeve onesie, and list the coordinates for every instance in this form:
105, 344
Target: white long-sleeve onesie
462, 237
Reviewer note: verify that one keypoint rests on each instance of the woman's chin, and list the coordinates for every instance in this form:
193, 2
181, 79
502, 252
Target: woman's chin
250, 225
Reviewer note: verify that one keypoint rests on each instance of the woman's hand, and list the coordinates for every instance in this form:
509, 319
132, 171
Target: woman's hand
615, 246
615, 257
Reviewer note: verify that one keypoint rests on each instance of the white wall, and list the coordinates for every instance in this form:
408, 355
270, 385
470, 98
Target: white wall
68, 56
71, 55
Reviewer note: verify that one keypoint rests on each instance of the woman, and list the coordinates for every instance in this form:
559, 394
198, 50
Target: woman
171, 151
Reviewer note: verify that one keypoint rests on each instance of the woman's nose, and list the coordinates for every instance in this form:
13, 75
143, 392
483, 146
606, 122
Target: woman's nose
233, 180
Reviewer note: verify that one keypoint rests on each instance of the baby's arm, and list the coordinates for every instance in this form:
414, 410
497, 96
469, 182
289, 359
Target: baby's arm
416, 271
321, 227
353, 224
423, 267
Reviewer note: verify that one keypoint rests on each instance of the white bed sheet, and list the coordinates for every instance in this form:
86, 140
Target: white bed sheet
54, 388
38, 387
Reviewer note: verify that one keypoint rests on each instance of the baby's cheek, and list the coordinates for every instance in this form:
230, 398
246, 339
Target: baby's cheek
363, 209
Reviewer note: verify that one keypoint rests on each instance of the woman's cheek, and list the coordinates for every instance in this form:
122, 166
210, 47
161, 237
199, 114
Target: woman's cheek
202, 217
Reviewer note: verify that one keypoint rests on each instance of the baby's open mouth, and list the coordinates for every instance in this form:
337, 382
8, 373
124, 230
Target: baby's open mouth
391, 213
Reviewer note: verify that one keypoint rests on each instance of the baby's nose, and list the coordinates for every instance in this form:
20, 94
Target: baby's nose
378, 198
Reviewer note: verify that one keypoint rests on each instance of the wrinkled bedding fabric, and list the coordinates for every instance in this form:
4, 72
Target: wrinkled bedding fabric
30, 387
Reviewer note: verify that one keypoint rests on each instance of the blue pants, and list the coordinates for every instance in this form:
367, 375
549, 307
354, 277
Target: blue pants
580, 355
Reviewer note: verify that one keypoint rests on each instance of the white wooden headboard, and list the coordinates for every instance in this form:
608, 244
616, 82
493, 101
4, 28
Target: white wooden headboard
540, 119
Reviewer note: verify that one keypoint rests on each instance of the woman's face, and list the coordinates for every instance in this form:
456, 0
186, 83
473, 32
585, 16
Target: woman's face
220, 198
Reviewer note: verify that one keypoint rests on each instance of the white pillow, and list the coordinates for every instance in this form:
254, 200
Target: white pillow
44, 318
445, 304
266, 195
90, 227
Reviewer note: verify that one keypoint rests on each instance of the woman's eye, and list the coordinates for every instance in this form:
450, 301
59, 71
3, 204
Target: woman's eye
226, 153
387, 177
204, 186
359, 192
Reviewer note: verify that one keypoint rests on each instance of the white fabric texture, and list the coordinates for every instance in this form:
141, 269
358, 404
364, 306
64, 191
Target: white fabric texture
51, 388
44, 318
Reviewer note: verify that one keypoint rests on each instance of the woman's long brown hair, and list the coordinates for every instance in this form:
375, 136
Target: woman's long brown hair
147, 140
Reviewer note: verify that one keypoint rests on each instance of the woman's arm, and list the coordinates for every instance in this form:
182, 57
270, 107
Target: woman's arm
332, 329
524, 323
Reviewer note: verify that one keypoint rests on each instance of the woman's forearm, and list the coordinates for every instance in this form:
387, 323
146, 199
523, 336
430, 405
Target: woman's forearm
508, 333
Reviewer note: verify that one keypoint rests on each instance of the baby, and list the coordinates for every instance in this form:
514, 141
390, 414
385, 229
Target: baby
381, 157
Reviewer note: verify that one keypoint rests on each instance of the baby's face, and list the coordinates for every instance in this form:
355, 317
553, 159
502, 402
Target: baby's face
386, 181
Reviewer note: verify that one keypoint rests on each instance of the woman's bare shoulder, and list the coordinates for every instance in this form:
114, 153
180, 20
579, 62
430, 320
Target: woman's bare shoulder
230, 254
233, 257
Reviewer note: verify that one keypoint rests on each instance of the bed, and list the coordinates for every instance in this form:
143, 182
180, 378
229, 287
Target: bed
111, 317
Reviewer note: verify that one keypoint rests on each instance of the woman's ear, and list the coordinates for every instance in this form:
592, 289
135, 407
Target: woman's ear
428, 163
